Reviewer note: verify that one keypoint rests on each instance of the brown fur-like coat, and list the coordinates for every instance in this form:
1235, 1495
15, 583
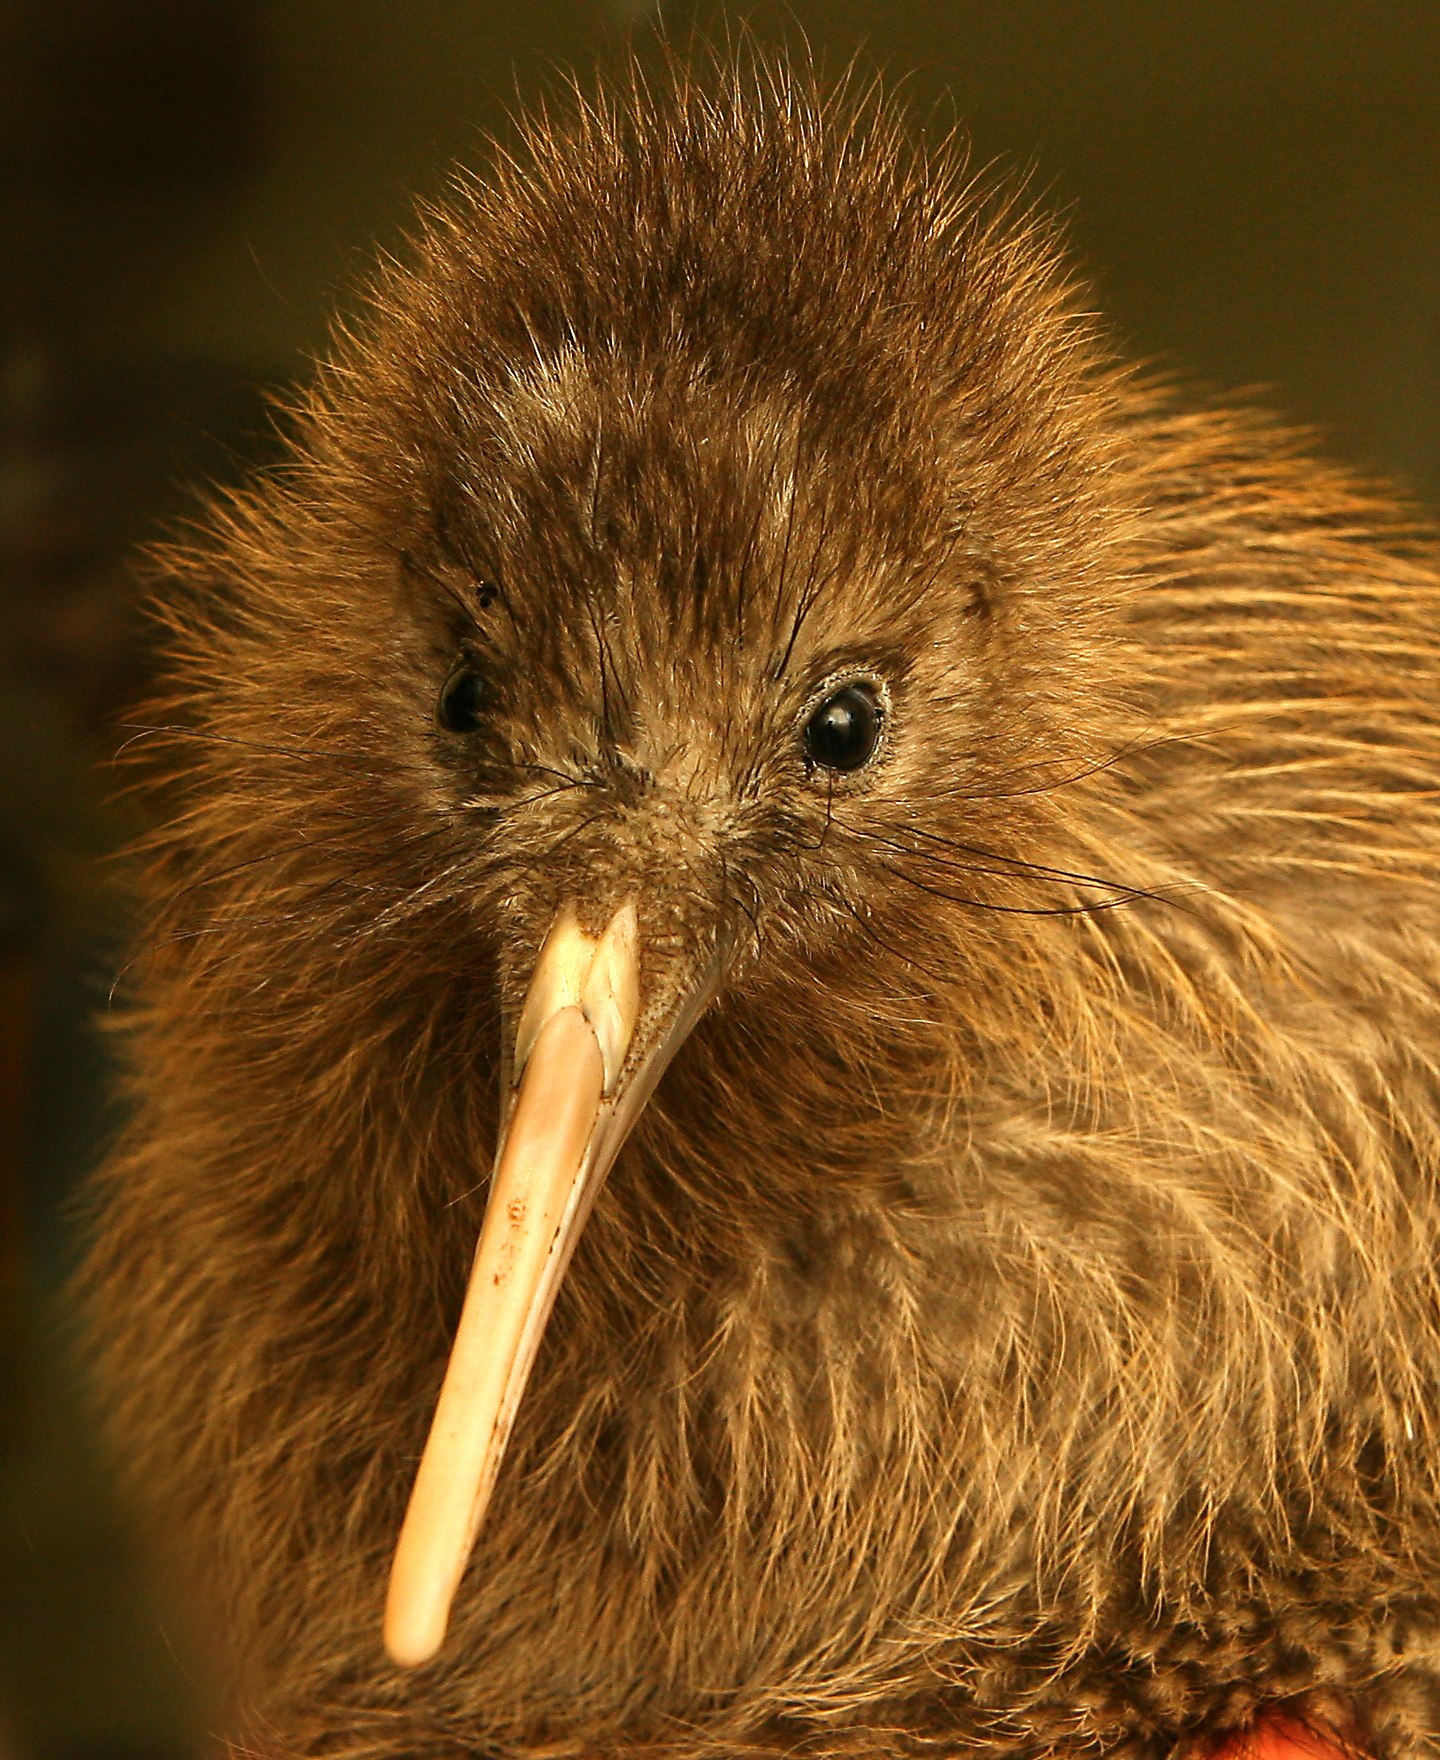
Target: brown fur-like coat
1013, 1326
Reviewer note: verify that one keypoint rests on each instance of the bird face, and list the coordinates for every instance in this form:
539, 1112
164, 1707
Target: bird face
653, 718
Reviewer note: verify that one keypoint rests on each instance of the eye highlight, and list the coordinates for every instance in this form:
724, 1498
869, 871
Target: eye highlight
462, 699
844, 731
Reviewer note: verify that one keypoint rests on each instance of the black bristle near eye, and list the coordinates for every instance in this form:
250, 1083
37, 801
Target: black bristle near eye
462, 699
843, 733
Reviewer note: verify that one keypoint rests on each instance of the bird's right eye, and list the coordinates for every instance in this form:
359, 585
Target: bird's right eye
462, 699
844, 731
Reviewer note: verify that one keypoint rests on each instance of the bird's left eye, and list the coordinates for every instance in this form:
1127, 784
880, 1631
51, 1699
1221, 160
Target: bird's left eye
843, 733
462, 699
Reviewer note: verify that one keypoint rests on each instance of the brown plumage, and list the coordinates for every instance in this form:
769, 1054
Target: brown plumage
1012, 1324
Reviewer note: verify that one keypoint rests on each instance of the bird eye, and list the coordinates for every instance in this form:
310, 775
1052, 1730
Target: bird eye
844, 731
462, 699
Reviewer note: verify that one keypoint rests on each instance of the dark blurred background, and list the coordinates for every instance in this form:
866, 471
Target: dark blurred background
188, 189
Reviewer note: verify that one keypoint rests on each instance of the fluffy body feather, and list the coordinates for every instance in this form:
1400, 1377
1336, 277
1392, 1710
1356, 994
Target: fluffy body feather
1013, 1325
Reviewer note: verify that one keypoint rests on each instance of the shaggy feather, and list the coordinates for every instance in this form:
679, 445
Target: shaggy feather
1013, 1324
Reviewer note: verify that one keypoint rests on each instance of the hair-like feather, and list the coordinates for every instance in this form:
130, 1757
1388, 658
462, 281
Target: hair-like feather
1013, 1324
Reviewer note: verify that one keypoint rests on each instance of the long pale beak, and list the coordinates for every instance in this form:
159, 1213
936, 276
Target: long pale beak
569, 1117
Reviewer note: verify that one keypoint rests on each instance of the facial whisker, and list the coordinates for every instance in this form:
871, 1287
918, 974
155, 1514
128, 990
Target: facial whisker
280, 852
1140, 744
864, 923
550, 770
1008, 910
483, 804
1012, 865
204, 736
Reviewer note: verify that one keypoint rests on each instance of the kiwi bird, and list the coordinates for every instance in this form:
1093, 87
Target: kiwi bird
884, 867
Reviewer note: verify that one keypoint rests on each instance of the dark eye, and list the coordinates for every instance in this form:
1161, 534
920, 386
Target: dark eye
844, 731
462, 699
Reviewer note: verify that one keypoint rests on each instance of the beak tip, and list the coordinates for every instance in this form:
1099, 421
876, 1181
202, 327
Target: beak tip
413, 1636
